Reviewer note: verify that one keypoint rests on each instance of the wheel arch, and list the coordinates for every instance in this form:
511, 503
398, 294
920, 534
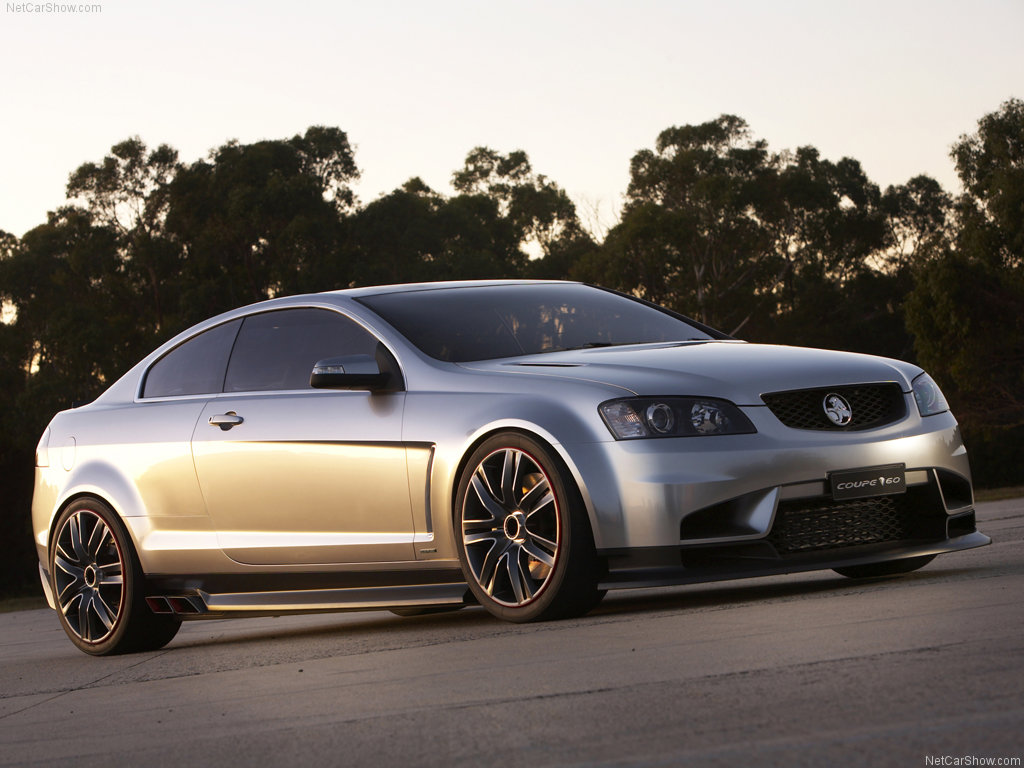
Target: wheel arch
45, 576
115, 491
578, 485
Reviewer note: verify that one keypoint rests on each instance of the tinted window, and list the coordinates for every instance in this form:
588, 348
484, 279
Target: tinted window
277, 350
485, 322
195, 367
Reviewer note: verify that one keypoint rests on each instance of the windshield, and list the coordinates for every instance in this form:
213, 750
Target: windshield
461, 324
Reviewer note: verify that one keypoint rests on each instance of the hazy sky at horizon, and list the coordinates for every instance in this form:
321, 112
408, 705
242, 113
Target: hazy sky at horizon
580, 86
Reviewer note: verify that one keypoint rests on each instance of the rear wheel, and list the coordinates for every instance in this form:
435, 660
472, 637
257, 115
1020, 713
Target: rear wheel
97, 584
524, 537
890, 568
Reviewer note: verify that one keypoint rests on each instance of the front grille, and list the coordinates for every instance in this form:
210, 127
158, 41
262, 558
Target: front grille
803, 525
872, 405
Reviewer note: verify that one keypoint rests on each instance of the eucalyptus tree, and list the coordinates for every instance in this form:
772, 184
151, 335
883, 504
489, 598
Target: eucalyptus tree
967, 308
690, 236
417, 234
126, 194
539, 209
263, 219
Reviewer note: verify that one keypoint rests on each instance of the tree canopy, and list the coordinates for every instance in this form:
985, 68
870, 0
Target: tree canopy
966, 308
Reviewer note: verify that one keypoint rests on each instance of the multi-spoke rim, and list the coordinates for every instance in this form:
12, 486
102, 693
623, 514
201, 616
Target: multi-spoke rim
510, 527
88, 575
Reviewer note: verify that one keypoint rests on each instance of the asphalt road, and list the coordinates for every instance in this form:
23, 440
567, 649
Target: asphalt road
806, 670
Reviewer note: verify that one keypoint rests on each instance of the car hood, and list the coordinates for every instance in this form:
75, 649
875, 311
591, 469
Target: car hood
733, 370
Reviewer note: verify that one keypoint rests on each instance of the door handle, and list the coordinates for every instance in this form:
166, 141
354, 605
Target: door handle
226, 420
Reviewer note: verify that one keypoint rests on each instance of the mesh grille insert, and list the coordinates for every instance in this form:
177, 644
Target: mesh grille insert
805, 525
873, 405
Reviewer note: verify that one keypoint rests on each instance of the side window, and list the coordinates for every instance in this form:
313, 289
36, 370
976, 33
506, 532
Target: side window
195, 367
277, 350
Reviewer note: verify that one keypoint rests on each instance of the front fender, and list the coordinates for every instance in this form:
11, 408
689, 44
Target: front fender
474, 418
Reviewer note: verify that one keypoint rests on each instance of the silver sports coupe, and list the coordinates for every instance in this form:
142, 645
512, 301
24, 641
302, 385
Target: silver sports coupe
524, 445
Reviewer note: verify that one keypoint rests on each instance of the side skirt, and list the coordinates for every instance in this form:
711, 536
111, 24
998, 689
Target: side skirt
204, 605
210, 596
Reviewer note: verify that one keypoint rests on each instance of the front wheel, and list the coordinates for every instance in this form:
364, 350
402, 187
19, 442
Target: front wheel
889, 568
98, 584
524, 538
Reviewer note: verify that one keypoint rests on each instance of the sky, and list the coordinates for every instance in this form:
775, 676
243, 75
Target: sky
416, 84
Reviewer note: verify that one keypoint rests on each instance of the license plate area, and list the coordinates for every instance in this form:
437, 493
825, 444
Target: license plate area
885, 480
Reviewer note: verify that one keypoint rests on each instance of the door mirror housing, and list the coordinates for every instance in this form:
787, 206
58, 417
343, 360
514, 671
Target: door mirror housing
348, 372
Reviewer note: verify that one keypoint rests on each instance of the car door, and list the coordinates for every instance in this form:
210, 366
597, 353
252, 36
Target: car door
150, 439
292, 475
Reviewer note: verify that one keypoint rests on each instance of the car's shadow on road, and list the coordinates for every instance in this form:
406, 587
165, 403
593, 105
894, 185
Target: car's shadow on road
726, 594
473, 621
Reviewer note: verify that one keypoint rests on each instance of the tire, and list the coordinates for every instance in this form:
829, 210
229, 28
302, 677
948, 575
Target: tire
522, 531
889, 568
98, 584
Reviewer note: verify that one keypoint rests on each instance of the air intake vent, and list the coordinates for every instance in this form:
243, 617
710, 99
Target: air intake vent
804, 525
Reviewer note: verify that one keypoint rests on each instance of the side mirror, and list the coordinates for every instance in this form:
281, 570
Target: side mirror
348, 372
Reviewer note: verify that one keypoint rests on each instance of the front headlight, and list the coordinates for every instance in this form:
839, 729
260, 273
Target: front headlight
928, 396
638, 417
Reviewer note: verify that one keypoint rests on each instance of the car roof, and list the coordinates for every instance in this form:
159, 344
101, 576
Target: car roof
376, 290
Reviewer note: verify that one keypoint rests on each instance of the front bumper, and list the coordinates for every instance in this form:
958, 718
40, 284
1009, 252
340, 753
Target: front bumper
640, 493
756, 505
